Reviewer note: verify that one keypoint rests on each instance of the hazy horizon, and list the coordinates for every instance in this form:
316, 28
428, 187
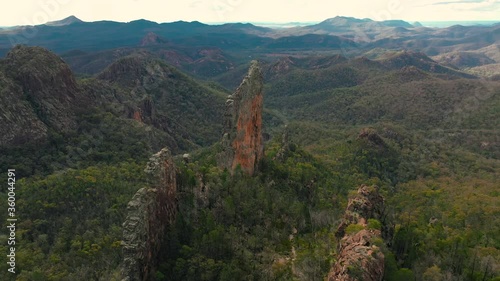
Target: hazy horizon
34, 12
305, 23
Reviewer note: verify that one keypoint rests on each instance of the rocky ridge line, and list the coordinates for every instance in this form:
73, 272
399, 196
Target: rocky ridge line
359, 255
38, 93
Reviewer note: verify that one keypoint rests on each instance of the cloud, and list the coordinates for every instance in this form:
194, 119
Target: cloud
490, 6
458, 2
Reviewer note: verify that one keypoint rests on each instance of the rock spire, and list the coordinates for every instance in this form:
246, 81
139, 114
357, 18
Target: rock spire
242, 142
150, 212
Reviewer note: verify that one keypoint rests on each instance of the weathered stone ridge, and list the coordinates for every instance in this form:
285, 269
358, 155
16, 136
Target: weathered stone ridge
150, 212
359, 258
242, 142
38, 93
368, 204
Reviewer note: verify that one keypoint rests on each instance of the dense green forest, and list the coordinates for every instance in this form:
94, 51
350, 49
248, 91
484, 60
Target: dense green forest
278, 225
428, 141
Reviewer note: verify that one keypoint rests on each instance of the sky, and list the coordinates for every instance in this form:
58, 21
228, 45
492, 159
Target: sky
33, 12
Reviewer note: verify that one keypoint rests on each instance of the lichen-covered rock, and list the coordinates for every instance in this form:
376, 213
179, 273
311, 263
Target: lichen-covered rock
359, 256
150, 212
135, 234
242, 142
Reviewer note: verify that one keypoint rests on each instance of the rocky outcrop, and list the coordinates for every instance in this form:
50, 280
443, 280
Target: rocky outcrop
150, 212
158, 95
152, 39
48, 83
242, 142
39, 93
372, 138
144, 112
19, 123
359, 259
359, 255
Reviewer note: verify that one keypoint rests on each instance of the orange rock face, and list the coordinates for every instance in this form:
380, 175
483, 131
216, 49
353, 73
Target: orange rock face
248, 146
137, 116
242, 143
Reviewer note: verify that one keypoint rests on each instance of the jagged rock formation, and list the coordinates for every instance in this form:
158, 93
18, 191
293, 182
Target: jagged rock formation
359, 258
242, 142
150, 212
19, 123
42, 99
38, 93
160, 96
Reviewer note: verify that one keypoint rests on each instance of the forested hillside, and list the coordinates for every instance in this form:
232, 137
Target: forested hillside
424, 135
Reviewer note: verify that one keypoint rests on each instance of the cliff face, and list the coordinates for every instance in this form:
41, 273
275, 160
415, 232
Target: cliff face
40, 96
40, 92
359, 258
242, 142
19, 123
150, 212
48, 83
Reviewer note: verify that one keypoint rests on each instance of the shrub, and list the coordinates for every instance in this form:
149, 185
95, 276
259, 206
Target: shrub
374, 224
354, 228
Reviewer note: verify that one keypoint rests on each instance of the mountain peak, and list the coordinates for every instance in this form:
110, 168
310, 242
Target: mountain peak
66, 21
342, 21
143, 23
48, 83
397, 23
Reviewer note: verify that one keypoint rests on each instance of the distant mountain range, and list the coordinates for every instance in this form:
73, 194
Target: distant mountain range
186, 44
393, 107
